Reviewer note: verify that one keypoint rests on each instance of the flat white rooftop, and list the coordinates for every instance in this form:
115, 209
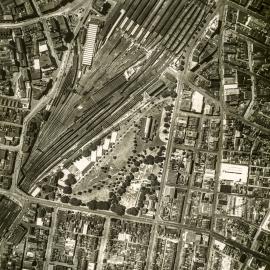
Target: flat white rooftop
230, 86
99, 151
234, 172
43, 48
106, 144
82, 163
197, 102
35, 191
89, 46
93, 156
113, 137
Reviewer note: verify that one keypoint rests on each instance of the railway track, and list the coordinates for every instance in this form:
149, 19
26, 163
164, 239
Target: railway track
100, 116
104, 104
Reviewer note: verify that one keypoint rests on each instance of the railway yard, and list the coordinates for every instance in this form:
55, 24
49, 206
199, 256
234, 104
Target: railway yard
115, 92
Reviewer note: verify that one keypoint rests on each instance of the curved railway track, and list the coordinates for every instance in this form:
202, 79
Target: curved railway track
172, 26
95, 119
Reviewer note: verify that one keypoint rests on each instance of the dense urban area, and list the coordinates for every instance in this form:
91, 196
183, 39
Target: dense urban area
134, 135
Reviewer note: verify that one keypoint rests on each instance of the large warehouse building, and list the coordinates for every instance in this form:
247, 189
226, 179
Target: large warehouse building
234, 172
89, 46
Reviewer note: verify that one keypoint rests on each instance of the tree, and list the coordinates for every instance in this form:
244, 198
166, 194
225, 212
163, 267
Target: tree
111, 194
127, 181
140, 204
67, 190
52, 196
128, 178
41, 212
143, 189
142, 196
93, 147
121, 191
167, 119
60, 175
134, 169
152, 177
106, 8
158, 159
155, 182
149, 159
47, 188
162, 148
71, 180
54, 180
173, 94
68, 37
168, 108
103, 205
119, 209
65, 199
160, 152
113, 198
165, 93
137, 163
132, 211
92, 205
75, 202
86, 152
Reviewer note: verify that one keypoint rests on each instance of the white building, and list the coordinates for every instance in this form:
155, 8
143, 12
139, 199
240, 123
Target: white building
36, 191
91, 266
81, 164
39, 221
89, 46
106, 144
113, 137
93, 156
234, 172
197, 102
36, 64
230, 86
43, 47
99, 151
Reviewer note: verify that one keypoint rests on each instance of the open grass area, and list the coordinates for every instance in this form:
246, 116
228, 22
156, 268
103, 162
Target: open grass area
130, 171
